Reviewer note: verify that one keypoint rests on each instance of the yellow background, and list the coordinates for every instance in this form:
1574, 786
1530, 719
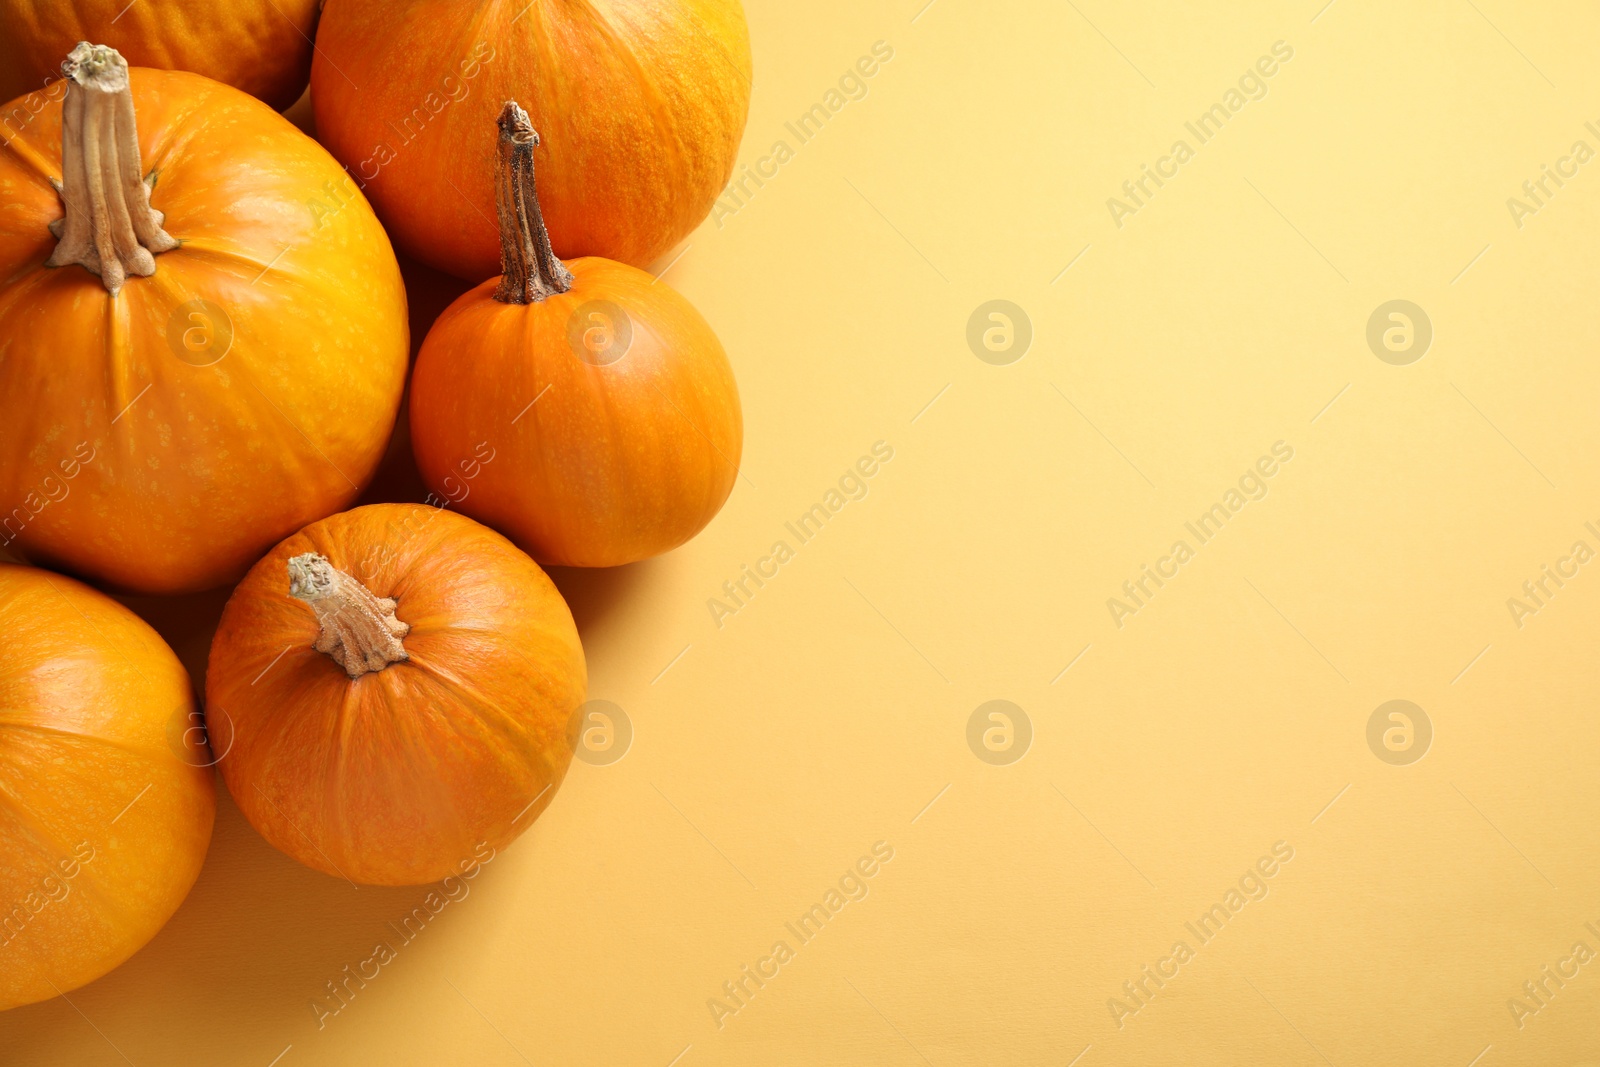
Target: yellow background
1228, 714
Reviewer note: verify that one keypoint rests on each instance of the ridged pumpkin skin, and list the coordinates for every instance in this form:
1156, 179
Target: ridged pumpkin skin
262, 47
617, 461
106, 796
643, 101
123, 462
396, 777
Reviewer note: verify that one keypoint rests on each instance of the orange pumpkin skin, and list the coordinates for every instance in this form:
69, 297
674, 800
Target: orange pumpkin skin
616, 461
129, 452
106, 796
648, 99
398, 776
262, 47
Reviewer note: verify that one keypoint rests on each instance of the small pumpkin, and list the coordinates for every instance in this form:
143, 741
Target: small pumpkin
606, 400
106, 797
262, 47
401, 684
647, 97
195, 360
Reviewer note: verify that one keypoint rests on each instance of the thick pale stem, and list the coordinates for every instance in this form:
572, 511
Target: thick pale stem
359, 630
109, 227
529, 269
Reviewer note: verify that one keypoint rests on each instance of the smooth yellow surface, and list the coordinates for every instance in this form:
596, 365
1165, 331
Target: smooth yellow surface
1230, 713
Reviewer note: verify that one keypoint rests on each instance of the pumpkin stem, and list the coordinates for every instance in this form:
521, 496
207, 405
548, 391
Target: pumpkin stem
529, 269
109, 227
359, 630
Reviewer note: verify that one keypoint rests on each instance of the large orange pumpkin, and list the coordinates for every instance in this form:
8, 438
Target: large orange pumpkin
106, 797
260, 46
208, 359
401, 684
647, 97
606, 401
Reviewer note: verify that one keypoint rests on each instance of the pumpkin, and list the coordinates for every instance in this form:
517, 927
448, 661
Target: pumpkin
260, 46
648, 98
212, 354
106, 797
584, 409
402, 686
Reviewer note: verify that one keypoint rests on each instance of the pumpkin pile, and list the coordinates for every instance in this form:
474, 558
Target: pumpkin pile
204, 351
